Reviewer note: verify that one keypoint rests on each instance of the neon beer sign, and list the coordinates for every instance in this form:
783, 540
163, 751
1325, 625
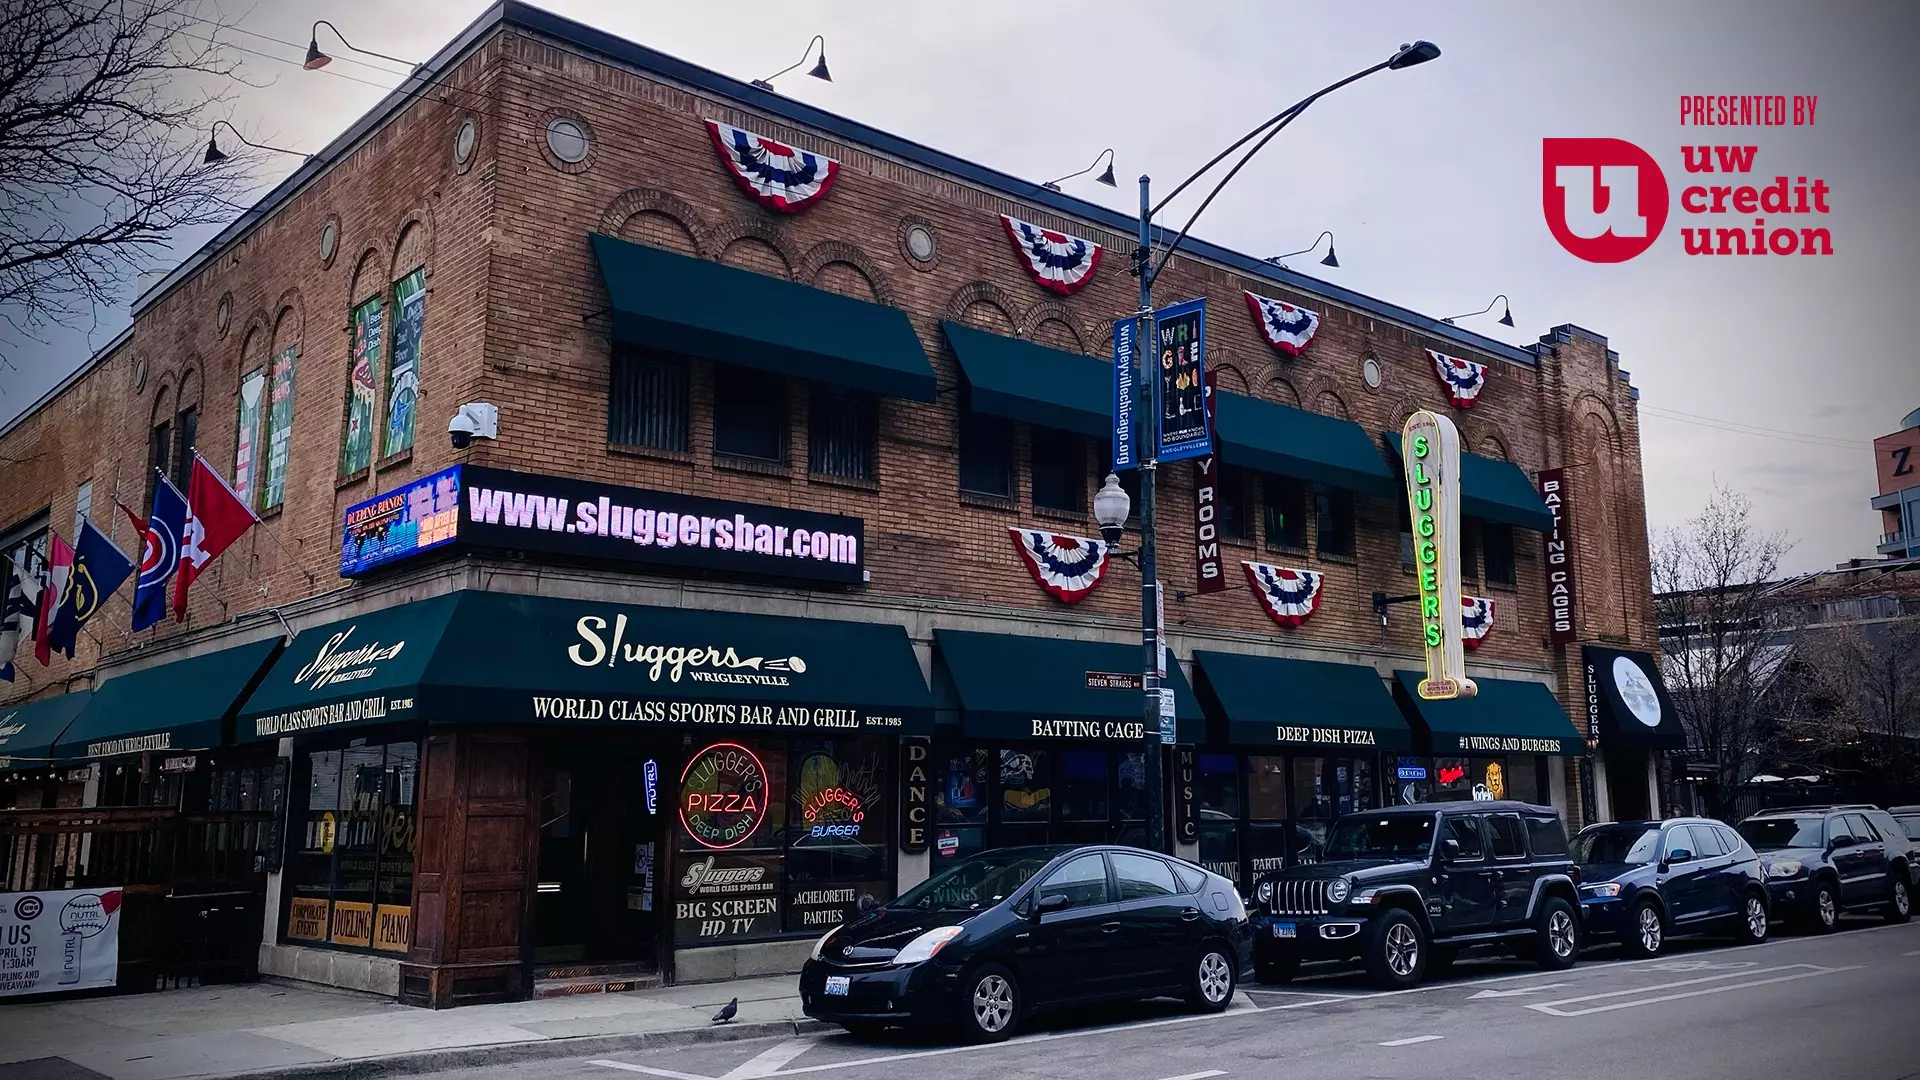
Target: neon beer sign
1430, 453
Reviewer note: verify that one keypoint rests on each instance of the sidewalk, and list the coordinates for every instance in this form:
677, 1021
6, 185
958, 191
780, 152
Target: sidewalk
266, 1029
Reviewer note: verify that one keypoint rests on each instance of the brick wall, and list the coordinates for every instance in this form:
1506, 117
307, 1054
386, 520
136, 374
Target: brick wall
514, 290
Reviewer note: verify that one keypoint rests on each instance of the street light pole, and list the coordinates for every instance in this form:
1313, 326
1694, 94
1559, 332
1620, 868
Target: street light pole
1147, 420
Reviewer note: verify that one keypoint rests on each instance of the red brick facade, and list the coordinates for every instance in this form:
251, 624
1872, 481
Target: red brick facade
512, 318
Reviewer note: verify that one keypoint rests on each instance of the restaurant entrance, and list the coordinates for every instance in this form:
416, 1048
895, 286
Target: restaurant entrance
598, 897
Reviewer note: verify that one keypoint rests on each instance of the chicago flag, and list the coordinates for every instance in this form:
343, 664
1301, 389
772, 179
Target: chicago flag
215, 519
54, 590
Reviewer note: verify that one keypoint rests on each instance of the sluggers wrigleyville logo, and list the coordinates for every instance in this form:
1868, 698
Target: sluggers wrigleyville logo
1606, 200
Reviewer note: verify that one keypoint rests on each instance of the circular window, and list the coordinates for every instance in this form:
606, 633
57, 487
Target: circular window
329, 240
223, 314
920, 243
1370, 373
567, 140
464, 140
139, 374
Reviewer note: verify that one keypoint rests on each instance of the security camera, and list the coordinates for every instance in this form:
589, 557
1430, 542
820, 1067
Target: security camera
475, 420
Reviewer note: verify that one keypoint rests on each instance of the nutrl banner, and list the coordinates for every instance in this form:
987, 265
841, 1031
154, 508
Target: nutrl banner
1181, 332
53, 942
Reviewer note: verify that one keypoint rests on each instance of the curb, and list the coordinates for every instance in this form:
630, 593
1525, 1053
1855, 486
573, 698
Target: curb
467, 1057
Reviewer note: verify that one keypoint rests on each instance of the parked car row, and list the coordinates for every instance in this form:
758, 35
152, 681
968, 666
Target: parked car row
1006, 933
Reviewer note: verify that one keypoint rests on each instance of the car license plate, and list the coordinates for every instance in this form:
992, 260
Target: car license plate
1284, 929
837, 985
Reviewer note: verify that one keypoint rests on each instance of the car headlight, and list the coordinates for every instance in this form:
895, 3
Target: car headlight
820, 947
1604, 888
1337, 890
1786, 868
922, 948
1263, 892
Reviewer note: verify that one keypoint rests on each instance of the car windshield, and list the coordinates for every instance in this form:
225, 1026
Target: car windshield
1911, 825
1380, 836
1770, 834
977, 882
1617, 844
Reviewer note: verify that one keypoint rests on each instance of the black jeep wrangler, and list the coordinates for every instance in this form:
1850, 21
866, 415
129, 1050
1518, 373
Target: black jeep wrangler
1406, 888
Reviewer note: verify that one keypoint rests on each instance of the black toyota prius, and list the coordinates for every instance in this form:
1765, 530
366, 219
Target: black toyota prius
1002, 934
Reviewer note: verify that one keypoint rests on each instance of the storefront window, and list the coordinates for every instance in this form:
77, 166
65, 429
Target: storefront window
732, 837
1452, 779
959, 801
1026, 793
350, 868
837, 850
1083, 785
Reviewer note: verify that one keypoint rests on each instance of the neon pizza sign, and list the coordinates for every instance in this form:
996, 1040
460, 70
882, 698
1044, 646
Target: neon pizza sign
723, 796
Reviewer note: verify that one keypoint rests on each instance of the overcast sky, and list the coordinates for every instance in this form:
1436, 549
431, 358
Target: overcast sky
1771, 374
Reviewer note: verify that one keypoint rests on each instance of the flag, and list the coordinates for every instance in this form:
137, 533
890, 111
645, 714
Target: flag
17, 613
99, 569
159, 552
53, 590
215, 518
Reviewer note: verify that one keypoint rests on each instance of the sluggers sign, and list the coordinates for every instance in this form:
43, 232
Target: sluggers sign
1430, 452
52, 942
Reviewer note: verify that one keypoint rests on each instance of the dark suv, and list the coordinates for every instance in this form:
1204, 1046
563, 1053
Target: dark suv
1822, 860
1405, 889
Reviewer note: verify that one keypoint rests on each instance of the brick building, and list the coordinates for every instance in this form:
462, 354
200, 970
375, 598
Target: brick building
475, 792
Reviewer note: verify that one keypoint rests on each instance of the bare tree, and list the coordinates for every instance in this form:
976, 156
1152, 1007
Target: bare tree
1867, 677
1721, 632
105, 106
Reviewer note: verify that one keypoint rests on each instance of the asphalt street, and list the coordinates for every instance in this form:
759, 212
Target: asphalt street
1840, 1007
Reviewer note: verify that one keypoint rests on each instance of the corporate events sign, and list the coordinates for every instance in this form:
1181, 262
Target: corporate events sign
53, 942
470, 506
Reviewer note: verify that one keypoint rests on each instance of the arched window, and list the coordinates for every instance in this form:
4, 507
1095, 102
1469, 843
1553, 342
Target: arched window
409, 329
366, 353
279, 409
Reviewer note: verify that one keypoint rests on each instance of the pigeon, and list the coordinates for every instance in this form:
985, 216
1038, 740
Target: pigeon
727, 1011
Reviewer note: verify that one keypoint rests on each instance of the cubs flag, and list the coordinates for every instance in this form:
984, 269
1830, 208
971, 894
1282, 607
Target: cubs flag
99, 568
215, 519
159, 553
17, 612
52, 591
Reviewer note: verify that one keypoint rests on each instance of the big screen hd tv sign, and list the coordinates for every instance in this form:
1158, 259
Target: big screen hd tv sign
469, 506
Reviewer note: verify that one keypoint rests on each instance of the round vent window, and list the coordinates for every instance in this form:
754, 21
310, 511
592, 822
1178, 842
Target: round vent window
329, 240
920, 243
567, 140
464, 141
223, 315
1370, 373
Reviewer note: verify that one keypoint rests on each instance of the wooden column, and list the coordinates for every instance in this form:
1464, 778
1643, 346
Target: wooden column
474, 866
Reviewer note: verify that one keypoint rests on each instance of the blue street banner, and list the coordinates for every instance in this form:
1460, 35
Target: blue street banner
159, 553
99, 568
1180, 343
1126, 454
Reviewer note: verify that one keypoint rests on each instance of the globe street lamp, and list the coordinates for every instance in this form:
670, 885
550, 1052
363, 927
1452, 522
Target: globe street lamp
1146, 381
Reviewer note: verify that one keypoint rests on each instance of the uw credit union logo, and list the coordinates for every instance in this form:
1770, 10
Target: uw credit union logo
1605, 199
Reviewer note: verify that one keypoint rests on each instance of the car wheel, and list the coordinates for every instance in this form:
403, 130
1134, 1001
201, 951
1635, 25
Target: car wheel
1396, 951
992, 1004
1210, 987
1646, 931
1753, 920
1557, 937
1277, 971
866, 1031
1440, 959
1899, 900
1823, 915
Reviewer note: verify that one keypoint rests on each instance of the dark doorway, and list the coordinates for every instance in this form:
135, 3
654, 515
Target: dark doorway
1627, 790
599, 897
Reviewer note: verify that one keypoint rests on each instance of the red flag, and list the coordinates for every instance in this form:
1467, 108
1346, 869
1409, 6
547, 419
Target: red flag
59, 570
215, 518
139, 523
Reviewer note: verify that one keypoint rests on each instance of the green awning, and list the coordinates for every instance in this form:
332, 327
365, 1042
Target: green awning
1495, 490
1018, 380
1507, 716
487, 657
183, 705
28, 729
1285, 441
1016, 687
676, 303
1267, 701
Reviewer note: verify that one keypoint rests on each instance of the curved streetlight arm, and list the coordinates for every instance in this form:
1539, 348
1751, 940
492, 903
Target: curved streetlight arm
217, 124
1272, 128
1502, 298
314, 36
1325, 234
817, 38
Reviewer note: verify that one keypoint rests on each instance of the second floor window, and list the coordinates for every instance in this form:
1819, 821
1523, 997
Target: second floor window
749, 415
647, 404
1059, 471
159, 456
1286, 514
840, 434
986, 456
1333, 521
1497, 545
1234, 501
186, 433
1470, 550
1406, 538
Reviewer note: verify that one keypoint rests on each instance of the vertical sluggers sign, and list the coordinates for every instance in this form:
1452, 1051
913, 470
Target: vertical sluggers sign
53, 942
1430, 453
1559, 545
1181, 346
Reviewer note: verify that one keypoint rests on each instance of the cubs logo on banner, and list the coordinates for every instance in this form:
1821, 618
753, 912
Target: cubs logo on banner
774, 174
1287, 328
1289, 595
1463, 379
1476, 620
1068, 567
1053, 260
